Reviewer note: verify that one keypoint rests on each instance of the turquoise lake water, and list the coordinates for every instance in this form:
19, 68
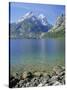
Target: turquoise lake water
32, 53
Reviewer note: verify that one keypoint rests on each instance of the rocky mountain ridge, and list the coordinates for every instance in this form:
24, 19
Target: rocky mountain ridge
31, 26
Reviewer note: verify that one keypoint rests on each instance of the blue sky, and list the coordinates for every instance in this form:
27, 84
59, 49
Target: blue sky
17, 10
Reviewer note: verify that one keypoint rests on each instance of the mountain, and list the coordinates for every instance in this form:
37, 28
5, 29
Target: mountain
60, 22
29, 26
32, 26
43, 19
58, 30
26, 16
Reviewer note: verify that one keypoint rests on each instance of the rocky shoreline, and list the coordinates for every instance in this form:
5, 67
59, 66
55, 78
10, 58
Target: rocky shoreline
38, 79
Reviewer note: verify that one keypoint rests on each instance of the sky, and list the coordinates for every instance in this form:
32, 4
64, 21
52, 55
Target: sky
17, 10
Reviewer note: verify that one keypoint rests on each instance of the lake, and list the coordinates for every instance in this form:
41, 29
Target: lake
37, 54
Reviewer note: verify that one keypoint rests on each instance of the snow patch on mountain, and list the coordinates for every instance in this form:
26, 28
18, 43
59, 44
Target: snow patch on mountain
43, 19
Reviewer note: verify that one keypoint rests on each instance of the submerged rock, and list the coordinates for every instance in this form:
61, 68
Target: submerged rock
57, 69
38, 73
46, 76
27, 75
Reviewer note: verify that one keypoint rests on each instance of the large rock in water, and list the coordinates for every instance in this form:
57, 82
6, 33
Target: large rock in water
57, 69
27, 75
38, 73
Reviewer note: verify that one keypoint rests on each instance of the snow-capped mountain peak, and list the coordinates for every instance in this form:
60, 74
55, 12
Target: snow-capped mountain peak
30, 15
43, 19
41, 16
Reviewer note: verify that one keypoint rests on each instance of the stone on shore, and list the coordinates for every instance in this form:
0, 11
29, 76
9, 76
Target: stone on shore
57, 83
40, 85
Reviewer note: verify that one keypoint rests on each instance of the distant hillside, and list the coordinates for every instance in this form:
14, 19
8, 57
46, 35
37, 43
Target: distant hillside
58, 30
